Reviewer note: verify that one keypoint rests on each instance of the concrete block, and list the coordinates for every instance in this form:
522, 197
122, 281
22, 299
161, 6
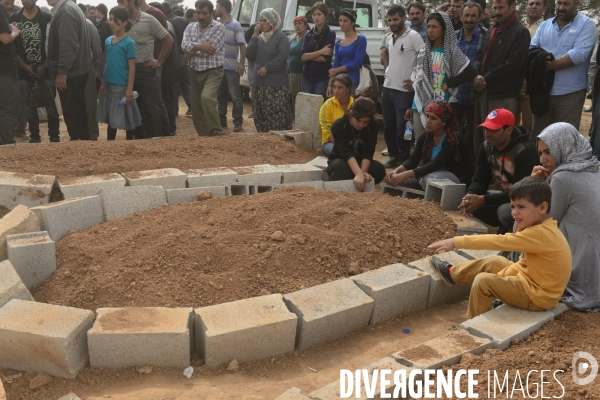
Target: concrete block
476, 254
290, 394
44, 338
262, 174
443, 350
11, 285
439, 291
445, 192
396, 290
240, 189
33, 255
466, 225
132, 336
329, 311
332, 391
405, 192
27, 189
70, 215
188, 195
347, 186
20, 220
559, 309
244, 330
168, 178
121, 202
84, 186
307, 116
315, 184
321, 162
210, 177
299, 137
300, 173
505, 323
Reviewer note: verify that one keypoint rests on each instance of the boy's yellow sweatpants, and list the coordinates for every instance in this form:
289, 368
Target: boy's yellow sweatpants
488, 285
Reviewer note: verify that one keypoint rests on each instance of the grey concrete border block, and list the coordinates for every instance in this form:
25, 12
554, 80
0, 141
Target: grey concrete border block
439, 291
396, 290
347, 186
20, 220
293, 173
11, 285
27, 189
33, 255
476, 254
74, 214
210, 177
466, 225
245, 330
321, 162
44, 338
188, 195
307, 116
559, 309
401, 191
329, 311
84, 186
443, 350
298, 136
292, 394
168, 178
505, 323
446, 192
125, 201
138, 336
263, 174
315, 184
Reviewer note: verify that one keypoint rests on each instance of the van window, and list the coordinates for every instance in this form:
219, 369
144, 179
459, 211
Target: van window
363, 11
242, 12
277, 5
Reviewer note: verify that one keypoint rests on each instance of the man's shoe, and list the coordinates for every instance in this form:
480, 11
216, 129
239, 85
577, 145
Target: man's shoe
216, 132
385, 152
37, 140
391, 162
587, 108
21, 135
188, 112
55, 139
238, 128
441, 267
251, 115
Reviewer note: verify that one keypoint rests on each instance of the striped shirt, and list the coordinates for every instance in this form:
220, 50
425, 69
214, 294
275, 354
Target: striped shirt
465, 94
214, 33
143, 31
234, 36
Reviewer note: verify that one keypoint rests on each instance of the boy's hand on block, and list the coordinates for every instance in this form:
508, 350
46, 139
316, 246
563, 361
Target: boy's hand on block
442, 245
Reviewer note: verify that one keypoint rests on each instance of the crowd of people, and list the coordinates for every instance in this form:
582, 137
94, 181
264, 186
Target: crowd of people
458, 82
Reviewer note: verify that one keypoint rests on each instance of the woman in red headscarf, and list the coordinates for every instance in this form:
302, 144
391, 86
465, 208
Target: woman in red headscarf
440, 152
295, 63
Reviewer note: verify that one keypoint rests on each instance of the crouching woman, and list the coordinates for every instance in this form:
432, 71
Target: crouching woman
355, 138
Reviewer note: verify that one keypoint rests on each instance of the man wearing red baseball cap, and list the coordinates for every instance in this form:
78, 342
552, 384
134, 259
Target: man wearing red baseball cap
507, 156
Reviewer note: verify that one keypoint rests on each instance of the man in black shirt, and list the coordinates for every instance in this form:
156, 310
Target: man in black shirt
9, 83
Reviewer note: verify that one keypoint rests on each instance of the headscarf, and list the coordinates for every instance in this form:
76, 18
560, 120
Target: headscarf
303, 19
569, 149
455, 62
350, 13
273, 19
443, 110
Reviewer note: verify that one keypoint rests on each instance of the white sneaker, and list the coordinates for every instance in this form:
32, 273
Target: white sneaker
385, 152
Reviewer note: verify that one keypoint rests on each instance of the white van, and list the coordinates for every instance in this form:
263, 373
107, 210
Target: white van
246, 12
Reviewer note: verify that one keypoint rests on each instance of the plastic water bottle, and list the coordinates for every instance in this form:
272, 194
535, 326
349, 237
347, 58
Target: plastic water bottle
408, 131
124, 99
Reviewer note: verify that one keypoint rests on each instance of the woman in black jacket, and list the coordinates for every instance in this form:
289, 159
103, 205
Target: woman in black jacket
355, 138
440, 152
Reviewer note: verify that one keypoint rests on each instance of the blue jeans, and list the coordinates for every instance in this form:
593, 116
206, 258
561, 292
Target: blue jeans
230, 84
32, 114
595, 130
394, 104
326, 149
315, 88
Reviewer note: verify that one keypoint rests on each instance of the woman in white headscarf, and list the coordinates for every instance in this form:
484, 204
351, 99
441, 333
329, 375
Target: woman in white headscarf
270, 93
574, 176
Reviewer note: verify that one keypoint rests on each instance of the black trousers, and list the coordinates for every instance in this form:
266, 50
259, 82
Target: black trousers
146, 85
72, 100
339, 170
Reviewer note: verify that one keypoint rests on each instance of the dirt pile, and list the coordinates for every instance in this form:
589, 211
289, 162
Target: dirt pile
231, 248
94, 158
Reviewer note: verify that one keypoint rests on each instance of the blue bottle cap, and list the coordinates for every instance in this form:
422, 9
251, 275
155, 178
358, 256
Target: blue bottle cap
406, 330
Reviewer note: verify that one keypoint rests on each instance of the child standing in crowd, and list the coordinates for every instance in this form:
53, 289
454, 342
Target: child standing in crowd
537, 281
119, 74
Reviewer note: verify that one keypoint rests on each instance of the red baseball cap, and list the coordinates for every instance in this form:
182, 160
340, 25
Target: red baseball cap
498, 118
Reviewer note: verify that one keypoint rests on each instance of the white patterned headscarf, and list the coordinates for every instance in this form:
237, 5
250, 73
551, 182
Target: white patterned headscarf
569, 149
273, 19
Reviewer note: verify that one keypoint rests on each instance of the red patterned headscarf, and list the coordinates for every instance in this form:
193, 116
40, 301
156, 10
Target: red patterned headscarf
303, 19
444, 111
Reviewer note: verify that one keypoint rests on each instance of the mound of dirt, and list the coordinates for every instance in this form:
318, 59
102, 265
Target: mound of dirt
81, 158
231, 248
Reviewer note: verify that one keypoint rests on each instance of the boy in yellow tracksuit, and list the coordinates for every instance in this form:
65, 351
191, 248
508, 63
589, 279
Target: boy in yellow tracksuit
537, 281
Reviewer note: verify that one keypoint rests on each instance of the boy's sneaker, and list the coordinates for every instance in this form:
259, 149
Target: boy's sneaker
496, 303
441, 267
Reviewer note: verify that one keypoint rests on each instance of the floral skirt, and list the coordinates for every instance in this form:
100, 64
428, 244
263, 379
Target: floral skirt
118, 116
272, 108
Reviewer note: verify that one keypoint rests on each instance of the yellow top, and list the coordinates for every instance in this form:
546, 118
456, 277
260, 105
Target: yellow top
330, 111
544, 269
